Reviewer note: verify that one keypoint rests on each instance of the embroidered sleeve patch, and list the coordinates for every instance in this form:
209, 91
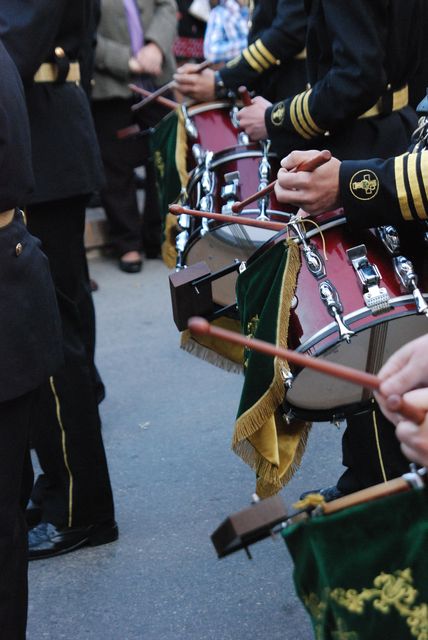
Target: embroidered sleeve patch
364, 184
277, 114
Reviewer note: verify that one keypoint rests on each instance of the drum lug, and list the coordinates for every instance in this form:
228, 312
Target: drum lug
189, 125
229, 192
264, 173
287, 377
243, 138
390, 239
330, 297
375, 297
199, 154
409, 280
313, 259
180, 245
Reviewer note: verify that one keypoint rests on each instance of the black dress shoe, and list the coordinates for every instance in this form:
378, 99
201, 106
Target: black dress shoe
33, 514
329, 493
46, 541
128, 266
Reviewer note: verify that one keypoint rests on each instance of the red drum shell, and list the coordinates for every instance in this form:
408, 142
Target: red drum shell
313, 331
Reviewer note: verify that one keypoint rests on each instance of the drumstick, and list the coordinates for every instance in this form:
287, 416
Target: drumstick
166, 102
309, 165
245, 96
200, 326
177, 210
166, 87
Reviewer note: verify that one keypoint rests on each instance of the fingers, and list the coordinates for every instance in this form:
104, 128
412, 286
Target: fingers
297, 157
189, 67
406, 369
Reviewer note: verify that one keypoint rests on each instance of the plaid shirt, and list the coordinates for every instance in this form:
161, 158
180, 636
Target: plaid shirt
227, 31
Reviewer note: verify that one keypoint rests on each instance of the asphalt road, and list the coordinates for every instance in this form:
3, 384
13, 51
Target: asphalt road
167, 425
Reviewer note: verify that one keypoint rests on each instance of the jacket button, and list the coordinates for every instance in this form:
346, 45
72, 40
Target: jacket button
18, 249
59, 52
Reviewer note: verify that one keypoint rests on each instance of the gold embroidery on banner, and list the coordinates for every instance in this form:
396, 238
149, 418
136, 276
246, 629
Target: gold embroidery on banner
390, 591
278, 113
251, 332
401, 187
159, 164
317, 609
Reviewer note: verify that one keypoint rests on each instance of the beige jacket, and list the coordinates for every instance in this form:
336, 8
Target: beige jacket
112, 75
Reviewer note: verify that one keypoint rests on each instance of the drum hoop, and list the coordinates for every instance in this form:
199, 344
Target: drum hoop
363, 312
218, 161
196, 109
195, 235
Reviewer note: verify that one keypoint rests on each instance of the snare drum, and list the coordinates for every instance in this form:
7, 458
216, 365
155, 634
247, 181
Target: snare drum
211, 126
233, 175
355, 311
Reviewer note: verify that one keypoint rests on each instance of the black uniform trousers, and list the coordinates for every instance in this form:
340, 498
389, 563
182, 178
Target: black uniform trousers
16, 476
75, 488
119, 197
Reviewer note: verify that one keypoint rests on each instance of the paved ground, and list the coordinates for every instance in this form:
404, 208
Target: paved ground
167, 427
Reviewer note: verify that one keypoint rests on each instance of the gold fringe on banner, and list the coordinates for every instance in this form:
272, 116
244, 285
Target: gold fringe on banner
262, 438
169, 252
221, 354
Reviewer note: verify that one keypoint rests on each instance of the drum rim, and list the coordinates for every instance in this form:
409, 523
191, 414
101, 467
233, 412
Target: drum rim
359, 314
203, 107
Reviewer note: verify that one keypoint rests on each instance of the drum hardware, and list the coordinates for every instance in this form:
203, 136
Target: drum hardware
199, 326
313, 259
409, 280
180, 245
198, 153
265, 518
390, 239
243, 138
264, 173
229, 192
287, 377
191, 292
321, 158
191, 130
375, 297
330, 297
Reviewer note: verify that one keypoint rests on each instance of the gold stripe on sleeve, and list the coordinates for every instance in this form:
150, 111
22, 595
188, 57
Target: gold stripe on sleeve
401, 187
315, 128
415, 190
300, 116
258, 56
424, 171
265, 52
253, 63
295, 121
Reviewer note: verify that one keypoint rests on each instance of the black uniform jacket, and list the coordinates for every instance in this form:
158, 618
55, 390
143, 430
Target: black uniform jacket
30, 348
376, 192
65, 153
357, 53
273, 64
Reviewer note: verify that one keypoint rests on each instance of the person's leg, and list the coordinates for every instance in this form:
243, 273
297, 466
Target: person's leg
119, 196
76, 489
15, 481
371, 452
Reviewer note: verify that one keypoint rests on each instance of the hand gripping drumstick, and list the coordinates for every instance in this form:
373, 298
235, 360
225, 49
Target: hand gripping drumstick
310, 165
200, 326
166, 102
166, 87
177, 210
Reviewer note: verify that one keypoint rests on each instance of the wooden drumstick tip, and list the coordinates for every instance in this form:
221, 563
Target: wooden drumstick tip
175, 209
199, 326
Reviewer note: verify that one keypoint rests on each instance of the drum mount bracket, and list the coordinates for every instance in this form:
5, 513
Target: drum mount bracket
375, 297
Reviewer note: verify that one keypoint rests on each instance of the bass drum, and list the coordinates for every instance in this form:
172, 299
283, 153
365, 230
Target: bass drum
381, 317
